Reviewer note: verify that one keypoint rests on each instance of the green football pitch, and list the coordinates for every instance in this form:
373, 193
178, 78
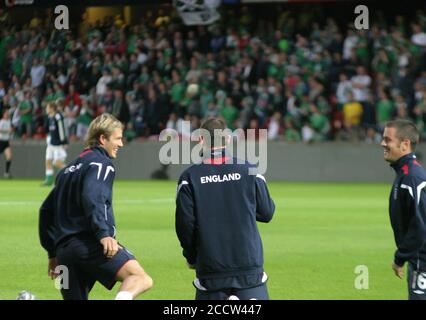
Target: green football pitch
320, 233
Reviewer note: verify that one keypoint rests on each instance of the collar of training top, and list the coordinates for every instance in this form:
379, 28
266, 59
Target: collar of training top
101, 150
215, 153
216, 156
398, 164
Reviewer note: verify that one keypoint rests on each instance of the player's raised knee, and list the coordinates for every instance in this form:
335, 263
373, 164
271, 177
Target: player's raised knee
144, 278
148, 282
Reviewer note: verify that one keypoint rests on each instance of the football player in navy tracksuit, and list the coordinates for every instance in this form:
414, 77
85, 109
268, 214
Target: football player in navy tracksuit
76, 224
407, 204
217, 207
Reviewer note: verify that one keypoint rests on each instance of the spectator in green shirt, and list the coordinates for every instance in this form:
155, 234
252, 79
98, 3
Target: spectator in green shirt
291, 134
319, 122
381, 63
26, 117
177, 90
84, 118
229, 113
384, 108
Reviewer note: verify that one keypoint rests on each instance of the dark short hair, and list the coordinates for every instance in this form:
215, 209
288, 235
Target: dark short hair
405, 129
210, 125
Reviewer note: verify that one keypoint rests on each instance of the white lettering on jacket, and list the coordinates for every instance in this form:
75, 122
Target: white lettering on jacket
221, 178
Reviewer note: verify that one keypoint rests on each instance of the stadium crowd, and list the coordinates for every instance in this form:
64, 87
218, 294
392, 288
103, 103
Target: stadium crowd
301, 78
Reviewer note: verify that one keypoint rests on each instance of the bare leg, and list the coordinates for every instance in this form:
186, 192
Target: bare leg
8, 153
59, 164
134, 280
49, 165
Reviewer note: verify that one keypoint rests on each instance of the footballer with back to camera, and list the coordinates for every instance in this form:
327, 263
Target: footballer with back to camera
218, 205
77, 224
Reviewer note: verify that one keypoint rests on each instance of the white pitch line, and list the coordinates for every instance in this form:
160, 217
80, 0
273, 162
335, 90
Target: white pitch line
159, 200
21, 203
128, 201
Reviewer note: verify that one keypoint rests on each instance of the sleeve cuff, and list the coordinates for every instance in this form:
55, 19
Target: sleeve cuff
102, 234
398, 261
191, 260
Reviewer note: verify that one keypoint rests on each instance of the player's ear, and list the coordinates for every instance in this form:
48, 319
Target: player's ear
102, 139
406, 145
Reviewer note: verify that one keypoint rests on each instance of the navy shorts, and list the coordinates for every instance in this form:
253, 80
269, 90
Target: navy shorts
3, 146
86, 263
259, 293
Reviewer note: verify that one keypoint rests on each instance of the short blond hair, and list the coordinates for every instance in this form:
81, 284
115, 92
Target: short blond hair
103, 124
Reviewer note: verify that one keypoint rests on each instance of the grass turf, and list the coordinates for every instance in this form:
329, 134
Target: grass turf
320, 233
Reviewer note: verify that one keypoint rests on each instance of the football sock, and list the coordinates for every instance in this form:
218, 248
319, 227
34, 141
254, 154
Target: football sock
124, 295
8, 163
49, 177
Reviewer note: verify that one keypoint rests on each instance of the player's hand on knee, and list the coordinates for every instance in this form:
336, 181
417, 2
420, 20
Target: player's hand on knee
110, 246
53, 263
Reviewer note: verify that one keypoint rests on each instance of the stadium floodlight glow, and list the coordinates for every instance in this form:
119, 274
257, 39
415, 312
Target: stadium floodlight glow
197, 12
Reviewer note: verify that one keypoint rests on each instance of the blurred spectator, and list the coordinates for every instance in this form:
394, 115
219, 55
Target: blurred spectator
344, 87
291, 134
73, 97
275, 126
2, 89
419, 36
71, 111
103, 82
85, 116
352, 113
38, 71
368, 119
319, 122
384, 108
229, 113
119, 108
25, 116
308, 134
360, 84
